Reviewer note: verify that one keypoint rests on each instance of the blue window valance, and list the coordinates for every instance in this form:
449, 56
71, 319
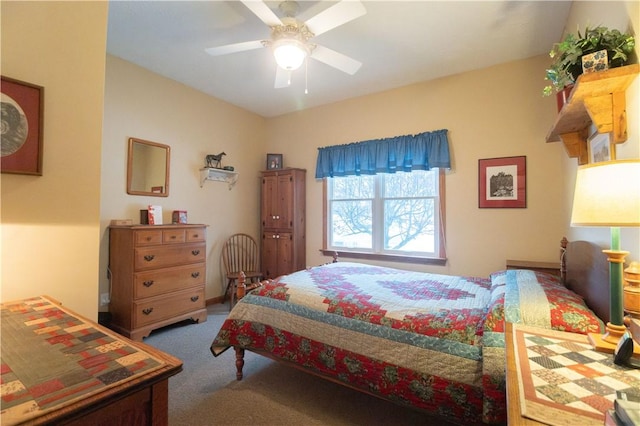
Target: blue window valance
401, 153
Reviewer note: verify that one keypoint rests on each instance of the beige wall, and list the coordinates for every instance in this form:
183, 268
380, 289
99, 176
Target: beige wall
54, 227
144, 105
494, 112
50, 224
626, 17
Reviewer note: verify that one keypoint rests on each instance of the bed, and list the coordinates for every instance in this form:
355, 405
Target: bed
427, 341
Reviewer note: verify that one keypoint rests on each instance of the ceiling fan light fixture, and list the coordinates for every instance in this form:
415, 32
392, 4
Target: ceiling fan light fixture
290, 53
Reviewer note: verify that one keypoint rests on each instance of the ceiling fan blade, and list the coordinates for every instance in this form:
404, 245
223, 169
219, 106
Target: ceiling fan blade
262, 11
234, 48
283, 78
335, 16
336, 60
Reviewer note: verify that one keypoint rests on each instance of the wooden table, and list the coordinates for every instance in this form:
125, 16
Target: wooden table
141, 399
514, 416
552, 268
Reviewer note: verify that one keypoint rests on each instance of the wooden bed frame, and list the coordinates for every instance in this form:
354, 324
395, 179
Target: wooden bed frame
583, 269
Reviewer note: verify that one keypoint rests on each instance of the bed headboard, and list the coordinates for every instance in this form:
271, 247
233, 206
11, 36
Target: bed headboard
585, 271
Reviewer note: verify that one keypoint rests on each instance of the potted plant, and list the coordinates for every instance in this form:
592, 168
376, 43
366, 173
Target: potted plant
567, 55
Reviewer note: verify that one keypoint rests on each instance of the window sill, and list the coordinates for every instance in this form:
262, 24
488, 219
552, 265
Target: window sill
384, 257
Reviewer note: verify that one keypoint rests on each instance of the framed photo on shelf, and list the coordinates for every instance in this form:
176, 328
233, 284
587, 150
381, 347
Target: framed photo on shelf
274, 161
599, 148
502, 182
22, 121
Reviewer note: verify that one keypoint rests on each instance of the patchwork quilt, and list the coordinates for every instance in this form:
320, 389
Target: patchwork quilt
52, 358
433, 342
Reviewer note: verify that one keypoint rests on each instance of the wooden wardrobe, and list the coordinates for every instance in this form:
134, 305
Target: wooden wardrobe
282, 213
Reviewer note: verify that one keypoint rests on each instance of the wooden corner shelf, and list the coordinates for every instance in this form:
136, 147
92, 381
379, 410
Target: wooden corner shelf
597, 98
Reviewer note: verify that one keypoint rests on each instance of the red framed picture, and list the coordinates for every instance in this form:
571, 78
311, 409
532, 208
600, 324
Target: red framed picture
502, 182
22, 119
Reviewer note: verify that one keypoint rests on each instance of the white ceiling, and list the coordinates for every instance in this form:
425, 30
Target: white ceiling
398, 42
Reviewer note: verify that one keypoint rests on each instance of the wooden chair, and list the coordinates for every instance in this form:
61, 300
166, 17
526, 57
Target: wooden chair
240, 254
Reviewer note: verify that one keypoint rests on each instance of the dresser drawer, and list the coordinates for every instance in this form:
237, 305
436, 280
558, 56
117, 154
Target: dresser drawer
152, 283
196, 235
169, 236
172, 236
168, 306
146, 258
148, 238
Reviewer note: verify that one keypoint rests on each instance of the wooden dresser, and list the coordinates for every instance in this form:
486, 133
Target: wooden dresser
158, 275
282, 216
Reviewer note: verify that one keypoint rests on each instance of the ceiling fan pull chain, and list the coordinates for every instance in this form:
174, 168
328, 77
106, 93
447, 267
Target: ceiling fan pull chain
306, 73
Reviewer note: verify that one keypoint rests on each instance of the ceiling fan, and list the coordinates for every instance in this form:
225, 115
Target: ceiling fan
290, 37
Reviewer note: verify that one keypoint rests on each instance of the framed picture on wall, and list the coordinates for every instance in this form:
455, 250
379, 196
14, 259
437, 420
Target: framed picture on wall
502, 182
274, 161
599, 148
22, 119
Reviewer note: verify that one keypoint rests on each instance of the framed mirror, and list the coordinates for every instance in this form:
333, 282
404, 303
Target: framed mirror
148, 168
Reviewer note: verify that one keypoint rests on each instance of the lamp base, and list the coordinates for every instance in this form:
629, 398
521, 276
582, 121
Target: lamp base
604, 342
601, 345
609, 341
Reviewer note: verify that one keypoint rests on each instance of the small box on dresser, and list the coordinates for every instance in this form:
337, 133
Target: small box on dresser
158, 276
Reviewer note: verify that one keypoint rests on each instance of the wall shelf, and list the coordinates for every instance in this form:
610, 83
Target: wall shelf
597, 98
219, 175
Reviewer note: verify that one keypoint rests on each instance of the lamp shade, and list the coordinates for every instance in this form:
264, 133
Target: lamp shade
607, 194
289, 53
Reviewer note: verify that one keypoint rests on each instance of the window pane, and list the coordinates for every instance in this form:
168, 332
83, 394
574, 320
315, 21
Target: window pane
351, 224
409, 225
353, 187
419, 183
395, 214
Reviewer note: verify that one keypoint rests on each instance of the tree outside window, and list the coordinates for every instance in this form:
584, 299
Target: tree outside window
395, 213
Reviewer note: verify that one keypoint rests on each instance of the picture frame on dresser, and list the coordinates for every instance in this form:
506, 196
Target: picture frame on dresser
502, 182
22, 127
274, 161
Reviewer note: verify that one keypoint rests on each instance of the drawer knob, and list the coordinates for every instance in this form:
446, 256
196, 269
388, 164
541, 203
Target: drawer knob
148, 238
196, 236
147, 311
195, 252
149, 257
195, 274
148, 283
173, 237
195, 298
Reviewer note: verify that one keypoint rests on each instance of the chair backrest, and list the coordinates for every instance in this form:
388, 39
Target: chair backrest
240, 253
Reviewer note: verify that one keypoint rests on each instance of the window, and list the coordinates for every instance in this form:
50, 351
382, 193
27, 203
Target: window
387, 215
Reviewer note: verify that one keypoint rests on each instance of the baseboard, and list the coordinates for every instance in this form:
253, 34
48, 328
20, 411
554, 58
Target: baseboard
214, 300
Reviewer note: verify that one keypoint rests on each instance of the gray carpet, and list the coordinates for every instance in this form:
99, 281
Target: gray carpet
207, 393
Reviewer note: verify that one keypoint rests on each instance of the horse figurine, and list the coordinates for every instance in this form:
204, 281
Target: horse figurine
213, 161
